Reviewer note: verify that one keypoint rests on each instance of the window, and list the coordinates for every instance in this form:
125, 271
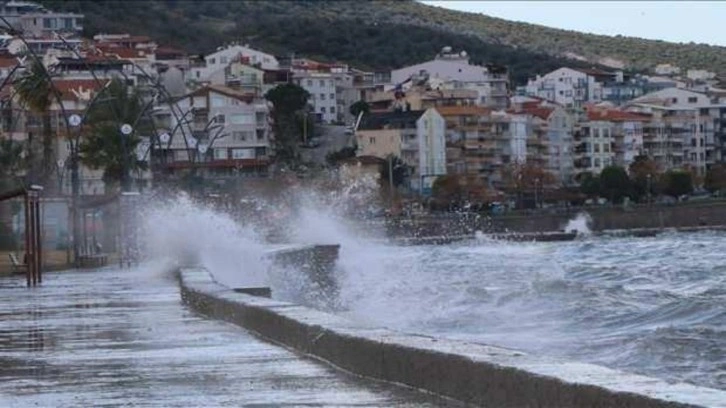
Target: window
322, 96
239, 136
68, 23
693, 142
243, 153
218, 101
568, 93
212, 61
597, 147
332, 96
219, 118
371, 140
693, 156
597, 163
322, 83
260, 151
242, 119
332, 83
260, 134
220, 154
606, 147
322, 109
198, 74
332, 109
46, 23
701, 142
692, 99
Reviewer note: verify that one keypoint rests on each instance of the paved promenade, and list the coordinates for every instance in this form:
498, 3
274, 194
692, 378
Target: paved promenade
123, 338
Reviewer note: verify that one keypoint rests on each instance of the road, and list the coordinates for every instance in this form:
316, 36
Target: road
332, 138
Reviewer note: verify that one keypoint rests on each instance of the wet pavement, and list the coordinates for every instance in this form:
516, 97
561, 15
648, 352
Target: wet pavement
123, 338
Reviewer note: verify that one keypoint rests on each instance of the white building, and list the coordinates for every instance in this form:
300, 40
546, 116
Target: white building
455, 69
222, 130
323, 95
570, 87
219, 60
34, 20
431, 137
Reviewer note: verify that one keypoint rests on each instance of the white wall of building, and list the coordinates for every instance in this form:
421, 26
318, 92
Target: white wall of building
431, 135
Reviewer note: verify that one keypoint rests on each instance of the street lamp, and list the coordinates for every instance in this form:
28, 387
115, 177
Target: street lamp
648, 187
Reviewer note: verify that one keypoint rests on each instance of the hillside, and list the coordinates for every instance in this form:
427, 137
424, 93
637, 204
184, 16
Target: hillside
377, 35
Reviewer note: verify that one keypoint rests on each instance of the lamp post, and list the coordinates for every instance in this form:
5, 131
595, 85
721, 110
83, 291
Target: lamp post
648, 188
536, 195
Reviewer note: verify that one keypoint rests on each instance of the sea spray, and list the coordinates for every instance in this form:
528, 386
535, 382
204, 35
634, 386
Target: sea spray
187, 233
580, 224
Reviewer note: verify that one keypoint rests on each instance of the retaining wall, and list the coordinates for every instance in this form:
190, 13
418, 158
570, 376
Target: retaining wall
472, 373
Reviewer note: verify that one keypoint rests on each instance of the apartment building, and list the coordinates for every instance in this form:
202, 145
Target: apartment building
221, 131
34, 20
220, 59
454, 70
417, 137
569, 87
480, 142
323, 95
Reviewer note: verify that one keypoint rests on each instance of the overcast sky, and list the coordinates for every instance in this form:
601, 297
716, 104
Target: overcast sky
677, 21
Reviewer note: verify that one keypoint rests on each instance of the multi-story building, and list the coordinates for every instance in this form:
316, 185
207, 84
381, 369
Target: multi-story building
490, 82
34, 20
569, 87
323, 95
220, 59
417, 137
680, 131
219, 131
479, 142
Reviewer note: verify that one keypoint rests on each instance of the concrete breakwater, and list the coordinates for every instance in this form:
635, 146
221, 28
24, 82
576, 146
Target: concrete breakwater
686, 215
468, 372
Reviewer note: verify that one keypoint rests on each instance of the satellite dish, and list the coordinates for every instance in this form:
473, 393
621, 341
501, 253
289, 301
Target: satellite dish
164, 137
202, 148
192, 142
74, 120
126, 129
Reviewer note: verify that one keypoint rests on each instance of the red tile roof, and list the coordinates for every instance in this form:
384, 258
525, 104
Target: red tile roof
613, 115
71, 88
8, 62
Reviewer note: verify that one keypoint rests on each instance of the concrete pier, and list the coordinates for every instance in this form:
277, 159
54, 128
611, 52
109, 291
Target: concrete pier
123, 338
473, 373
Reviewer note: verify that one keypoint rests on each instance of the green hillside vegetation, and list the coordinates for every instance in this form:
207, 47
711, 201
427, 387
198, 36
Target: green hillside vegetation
376, 35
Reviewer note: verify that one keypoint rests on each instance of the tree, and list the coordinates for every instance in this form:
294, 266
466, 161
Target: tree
677, 183
644, 174
590, 184
358, 107
400, 171
527, 178
35, 88
715, 179
103, 146
333, 158
289, 102
615, 183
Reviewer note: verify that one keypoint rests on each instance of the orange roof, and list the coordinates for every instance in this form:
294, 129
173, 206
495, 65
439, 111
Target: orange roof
71, 88
463, 110
612, 115
7, 62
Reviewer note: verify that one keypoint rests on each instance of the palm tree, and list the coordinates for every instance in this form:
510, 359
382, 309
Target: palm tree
35, 88
104, 146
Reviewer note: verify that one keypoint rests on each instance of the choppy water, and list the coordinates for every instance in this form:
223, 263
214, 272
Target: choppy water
655, 306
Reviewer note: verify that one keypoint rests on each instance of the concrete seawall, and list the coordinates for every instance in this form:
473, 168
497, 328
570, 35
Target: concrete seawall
472, 373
